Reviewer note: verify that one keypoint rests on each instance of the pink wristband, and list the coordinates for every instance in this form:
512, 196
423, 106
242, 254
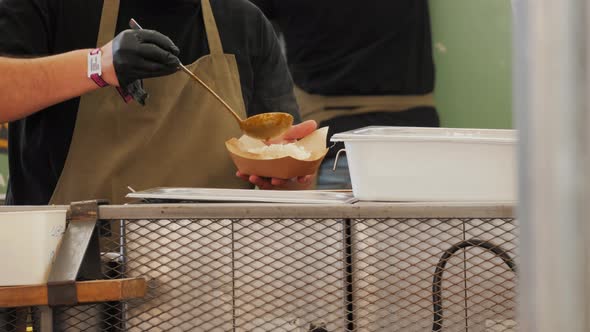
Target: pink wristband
95, 68
95, 73
126, 97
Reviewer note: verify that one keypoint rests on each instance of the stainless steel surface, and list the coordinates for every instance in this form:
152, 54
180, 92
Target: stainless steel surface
551, 104
245, 195
285, 272
341, 211
71, 252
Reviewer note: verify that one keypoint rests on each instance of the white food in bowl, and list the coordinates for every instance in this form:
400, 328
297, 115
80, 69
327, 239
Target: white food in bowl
275, 151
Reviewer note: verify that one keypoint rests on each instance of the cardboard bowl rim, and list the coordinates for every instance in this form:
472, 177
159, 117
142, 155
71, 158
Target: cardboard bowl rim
244, 154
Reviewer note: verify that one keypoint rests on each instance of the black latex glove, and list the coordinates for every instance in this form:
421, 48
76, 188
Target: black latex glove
136, 90
139, 54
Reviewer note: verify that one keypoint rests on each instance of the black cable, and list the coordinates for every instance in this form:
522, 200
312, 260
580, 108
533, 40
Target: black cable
440, 269
349, 274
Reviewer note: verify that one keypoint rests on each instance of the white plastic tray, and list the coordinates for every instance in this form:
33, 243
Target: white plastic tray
29, 241
431, 164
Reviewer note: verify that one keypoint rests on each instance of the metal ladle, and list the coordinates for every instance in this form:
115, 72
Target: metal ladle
261, 126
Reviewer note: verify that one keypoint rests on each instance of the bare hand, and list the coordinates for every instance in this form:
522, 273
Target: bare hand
295, 132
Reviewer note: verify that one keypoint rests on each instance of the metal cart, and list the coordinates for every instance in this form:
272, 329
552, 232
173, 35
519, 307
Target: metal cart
280, 267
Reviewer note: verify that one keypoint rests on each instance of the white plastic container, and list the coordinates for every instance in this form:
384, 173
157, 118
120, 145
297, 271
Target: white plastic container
28, 244
431, 164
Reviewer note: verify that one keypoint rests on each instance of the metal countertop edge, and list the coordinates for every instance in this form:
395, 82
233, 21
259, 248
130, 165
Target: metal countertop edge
359, 210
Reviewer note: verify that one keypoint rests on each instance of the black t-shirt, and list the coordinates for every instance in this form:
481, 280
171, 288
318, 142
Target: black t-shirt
359, 47
356, 47
38, 145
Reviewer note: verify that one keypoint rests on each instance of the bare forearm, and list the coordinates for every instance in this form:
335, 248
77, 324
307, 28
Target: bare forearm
30, 85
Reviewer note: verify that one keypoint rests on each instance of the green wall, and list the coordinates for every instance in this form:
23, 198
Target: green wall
473, 56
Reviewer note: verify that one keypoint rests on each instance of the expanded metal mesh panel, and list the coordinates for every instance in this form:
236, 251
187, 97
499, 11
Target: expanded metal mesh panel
188, 265
7, 320
15, 320
491, 284
107, 316
434, 275
394, 265
289, 275
308, 275
95, 317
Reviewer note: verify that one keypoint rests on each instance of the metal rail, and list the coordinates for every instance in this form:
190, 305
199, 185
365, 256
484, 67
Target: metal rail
353, 211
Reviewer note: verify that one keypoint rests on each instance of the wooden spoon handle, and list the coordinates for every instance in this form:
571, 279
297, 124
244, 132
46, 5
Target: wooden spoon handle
134, 25
196, 78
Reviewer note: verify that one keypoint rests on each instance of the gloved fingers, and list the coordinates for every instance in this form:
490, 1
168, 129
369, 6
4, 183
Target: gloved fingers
136, 90
152, 52
141, 68
146, 68
154, 37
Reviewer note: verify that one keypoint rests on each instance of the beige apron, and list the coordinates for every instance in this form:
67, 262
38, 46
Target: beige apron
176, 140
321, 108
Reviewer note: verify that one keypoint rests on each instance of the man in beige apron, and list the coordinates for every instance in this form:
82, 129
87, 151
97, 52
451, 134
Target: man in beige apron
169, 142
177, 139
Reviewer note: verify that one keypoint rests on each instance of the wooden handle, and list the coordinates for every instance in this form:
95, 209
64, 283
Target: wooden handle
134, 25
196, 78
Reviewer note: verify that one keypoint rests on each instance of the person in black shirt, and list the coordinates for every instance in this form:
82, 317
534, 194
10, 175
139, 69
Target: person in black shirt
358, 63
106, 143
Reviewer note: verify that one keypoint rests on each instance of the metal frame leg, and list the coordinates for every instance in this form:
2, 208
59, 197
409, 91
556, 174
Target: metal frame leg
46, 319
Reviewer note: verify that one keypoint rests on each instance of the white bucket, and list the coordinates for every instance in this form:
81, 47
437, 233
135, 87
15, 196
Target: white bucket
431, 164
28, 245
